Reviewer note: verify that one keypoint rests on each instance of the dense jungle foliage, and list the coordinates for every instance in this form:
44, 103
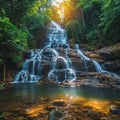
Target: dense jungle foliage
23, 25
94, 21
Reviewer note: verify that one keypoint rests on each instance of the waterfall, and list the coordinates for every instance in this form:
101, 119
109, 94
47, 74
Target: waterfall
62, 69
96, 64
47, 62
52, 62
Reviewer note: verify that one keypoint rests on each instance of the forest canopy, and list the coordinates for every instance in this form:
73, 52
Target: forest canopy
98, 21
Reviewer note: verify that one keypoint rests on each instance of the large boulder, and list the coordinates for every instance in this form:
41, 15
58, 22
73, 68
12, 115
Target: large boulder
110, 53
115, 109
113, 66
82, 65
92, 55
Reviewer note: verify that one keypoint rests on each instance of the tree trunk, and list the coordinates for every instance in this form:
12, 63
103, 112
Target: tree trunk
4, 72
82, 17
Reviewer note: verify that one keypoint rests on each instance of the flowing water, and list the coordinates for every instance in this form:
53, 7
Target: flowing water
46, 62
49, 63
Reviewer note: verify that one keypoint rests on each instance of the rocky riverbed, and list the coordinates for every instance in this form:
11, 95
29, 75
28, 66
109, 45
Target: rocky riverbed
60, 108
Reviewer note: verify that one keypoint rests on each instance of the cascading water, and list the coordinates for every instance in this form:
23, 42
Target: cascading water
61, 69
53, 62
47, 63
96, 64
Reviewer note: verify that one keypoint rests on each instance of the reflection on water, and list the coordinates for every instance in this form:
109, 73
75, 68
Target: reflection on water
33, 91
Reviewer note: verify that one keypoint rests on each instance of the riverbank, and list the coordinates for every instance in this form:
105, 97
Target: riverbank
88, 79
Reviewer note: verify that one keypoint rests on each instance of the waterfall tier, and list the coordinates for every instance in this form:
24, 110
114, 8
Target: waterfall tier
56, 60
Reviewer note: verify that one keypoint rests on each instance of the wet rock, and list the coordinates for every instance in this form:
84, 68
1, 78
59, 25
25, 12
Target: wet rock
115, 109
49, 108
105, 118
110, 53
90, 79
77, 64
95, 116
29, 102
21, 118
69, 117
56, 114
74, 55
113, 66
92, 55
60, 63
45, 99
11, 118
59, 103
48, 82
83, 65
45, 68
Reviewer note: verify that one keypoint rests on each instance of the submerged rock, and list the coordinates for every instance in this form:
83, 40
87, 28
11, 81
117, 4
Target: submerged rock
115, 109
59, 103
55, 114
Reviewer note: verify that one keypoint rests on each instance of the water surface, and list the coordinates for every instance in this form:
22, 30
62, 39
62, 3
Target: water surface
33, 91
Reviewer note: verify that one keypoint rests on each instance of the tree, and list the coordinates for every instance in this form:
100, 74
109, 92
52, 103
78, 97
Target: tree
73, 30
109, 23
12, 43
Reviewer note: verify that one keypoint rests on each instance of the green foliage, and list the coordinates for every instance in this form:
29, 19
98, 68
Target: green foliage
13, 41
93, 37
20, 22
27, 15
110, 19
73, 31
2, 85
98, 21
92, 12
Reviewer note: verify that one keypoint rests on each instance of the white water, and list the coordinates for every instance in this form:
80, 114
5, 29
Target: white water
61, 65
96, 64
47, 63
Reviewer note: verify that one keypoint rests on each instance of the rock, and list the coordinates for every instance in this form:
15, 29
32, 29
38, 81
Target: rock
59, 103
115, 109
49, 108
29, 102
72, 46
21, 118
46, 68
56, 113
90, 79
82, 65
95, 116
48, 82
92, 55
113, 66
110, 53
60, 63
68, 117
104, 118
77, 64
